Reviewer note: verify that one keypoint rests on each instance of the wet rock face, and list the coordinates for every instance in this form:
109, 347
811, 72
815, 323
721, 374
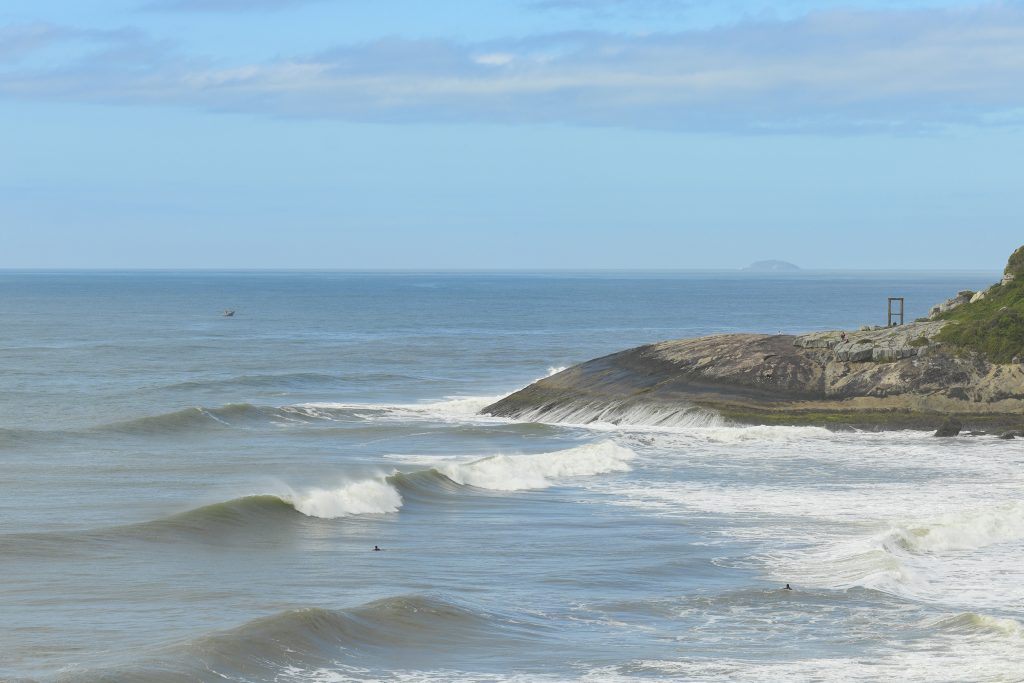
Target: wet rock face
949, 427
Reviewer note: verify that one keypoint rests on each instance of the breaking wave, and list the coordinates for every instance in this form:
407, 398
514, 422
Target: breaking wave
272, 515
247, 415
495, 473
973, 624
964, 530
366, 497
519, 472
922, 560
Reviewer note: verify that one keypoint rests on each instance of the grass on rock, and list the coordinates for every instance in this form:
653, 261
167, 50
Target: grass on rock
993, 326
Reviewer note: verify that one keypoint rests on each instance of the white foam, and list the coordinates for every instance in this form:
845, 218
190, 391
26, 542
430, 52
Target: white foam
604, 415
370, 496
727, 434
968, 558
980, 623
452, 408
449, 408
898, 512
341, 673
964, 529
538, 471
940, 658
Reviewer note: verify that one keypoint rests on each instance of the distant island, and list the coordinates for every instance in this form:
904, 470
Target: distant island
964, 365
771, 266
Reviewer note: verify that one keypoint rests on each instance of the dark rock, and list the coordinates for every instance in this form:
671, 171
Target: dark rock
1010, 435
959, 393
949, 427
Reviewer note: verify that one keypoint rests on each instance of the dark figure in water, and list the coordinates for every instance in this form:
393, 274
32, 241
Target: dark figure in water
788, 588
378, 548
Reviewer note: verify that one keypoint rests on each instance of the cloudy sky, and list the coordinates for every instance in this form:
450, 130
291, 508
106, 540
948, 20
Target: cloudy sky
588, 134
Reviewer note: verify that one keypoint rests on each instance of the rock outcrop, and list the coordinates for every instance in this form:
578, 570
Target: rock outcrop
897, 377
965, 296
782, 379
949, 427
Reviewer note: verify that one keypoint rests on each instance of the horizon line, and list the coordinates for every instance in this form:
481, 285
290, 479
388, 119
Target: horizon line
208, 269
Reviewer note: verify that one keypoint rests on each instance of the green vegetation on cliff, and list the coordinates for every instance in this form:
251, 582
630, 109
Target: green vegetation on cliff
1015, 264
994, 325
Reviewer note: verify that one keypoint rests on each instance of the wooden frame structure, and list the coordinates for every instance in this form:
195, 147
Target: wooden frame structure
895, 314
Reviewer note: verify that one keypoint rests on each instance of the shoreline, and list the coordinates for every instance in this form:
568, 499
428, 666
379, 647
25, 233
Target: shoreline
786, 380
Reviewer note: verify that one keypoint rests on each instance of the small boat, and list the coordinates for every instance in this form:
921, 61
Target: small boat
229, 312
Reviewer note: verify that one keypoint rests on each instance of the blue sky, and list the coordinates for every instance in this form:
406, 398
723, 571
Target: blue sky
510, 133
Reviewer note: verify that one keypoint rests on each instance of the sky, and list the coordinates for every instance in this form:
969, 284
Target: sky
511, 134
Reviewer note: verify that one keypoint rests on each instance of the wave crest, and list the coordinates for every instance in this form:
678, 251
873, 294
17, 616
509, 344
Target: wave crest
519, 472
962, 530
293, 645
923, 560
200, 418
366, 497
971, 623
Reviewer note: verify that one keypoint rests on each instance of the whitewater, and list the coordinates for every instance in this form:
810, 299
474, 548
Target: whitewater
185, 497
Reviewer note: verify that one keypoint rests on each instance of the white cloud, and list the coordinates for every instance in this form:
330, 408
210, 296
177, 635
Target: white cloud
224, 5
833, 71
495, 59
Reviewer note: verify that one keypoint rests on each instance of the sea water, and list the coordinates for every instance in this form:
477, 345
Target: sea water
186, 496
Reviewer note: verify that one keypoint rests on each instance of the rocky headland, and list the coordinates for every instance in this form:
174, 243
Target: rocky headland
962, 365
772, 266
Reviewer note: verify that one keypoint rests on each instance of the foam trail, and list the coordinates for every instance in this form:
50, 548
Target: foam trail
520, 472
450, 407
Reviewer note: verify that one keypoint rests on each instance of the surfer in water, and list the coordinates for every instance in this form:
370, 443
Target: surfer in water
376, 548
788, 588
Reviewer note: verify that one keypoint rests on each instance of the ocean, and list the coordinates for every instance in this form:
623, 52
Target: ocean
186, 496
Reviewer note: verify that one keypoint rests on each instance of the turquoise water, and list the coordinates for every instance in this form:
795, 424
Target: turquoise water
187, 496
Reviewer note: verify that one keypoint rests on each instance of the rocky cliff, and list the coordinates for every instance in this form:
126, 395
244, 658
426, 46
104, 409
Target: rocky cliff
904, 376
